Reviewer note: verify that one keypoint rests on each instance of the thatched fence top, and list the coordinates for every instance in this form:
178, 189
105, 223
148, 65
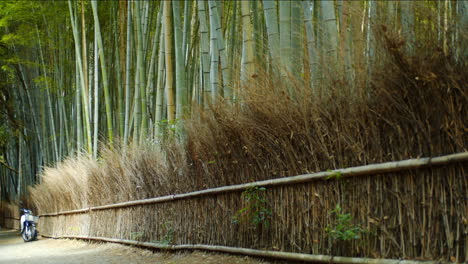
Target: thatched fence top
373, 169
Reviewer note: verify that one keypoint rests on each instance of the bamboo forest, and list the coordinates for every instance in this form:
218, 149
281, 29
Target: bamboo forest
282, 131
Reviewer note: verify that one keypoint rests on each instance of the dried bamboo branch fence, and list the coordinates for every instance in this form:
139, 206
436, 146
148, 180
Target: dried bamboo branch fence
375, 169
301, 206
9, 215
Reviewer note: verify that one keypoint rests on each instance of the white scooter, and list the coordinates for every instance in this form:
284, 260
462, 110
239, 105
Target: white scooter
28, 225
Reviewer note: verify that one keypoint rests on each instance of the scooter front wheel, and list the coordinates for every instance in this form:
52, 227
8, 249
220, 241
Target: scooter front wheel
29, 233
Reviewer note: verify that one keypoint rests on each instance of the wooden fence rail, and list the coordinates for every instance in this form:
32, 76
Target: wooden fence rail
254, 252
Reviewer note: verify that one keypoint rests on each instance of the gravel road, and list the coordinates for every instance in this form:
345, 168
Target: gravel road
49, 251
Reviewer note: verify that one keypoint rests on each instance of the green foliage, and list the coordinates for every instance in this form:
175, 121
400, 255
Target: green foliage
19, 18
9, 73
4, 136
256, 210
168, 238
343, 229
43, 82
136, 235
335, 175
169, 127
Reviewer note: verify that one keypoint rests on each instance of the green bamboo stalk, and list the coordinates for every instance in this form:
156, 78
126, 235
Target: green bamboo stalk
296, 38
82, 82
160, 88
358, 45
78, 112
205, 53
232, 47
141, 76
312, 52
346, 40
96, 96
121, 66
151, 83
186, 34
20, 167
462, 36
271, 20
107, 98
49, 103
215, 22
169, 65
127, 76
285, 36
248, 67
139, 63
84, 49
330, 36
214, 54
407, 23
370, 50
180, 70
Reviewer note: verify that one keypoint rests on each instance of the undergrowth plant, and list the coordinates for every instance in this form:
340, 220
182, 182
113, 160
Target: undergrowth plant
169, 127
344, 229
168, 237
256, 210
136, 235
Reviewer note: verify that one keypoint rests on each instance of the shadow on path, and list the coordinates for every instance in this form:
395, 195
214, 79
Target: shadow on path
50, 251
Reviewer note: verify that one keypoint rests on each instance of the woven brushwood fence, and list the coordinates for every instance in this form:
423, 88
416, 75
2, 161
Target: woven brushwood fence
412, 209
9, 215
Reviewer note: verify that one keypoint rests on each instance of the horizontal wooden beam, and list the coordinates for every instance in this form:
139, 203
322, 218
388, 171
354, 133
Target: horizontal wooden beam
253, 252
7, 217
2, 162
374, 169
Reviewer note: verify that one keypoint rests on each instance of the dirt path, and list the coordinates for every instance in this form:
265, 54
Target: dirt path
49, 251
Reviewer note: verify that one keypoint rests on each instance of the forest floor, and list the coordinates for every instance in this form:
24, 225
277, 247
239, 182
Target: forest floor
50, 251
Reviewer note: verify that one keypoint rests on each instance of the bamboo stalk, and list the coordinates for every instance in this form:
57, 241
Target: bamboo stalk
251, 252
127, 75
248, 67
375, 169
107, 96
171, 111
205, 53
